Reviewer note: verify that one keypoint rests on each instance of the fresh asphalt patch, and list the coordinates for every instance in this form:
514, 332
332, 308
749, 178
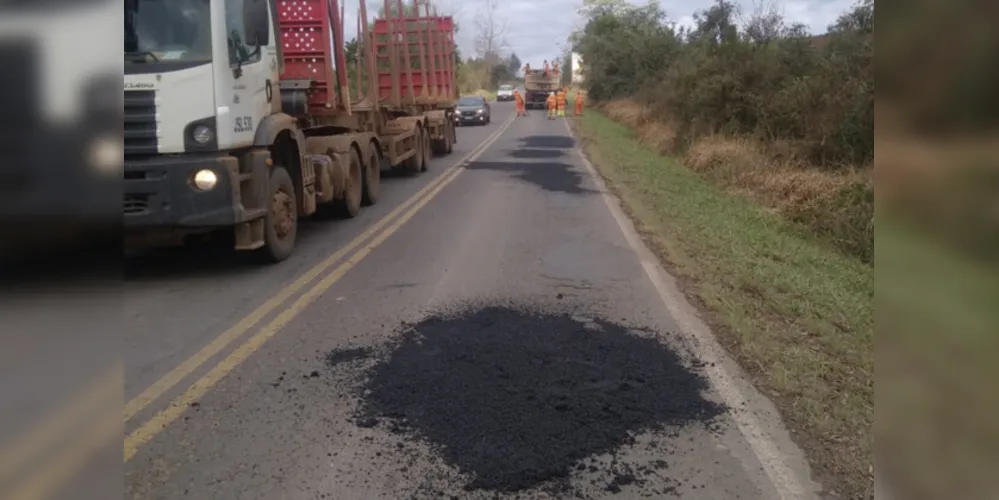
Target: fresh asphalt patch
521, 398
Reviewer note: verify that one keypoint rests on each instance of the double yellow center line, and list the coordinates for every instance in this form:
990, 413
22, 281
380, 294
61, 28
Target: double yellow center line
374, 236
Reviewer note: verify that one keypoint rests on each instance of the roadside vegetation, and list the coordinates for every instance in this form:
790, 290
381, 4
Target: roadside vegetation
744, 149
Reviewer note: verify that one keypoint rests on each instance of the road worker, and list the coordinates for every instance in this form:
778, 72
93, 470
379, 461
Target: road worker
547, 68
521, 110
579, 102
560, 102
556, 68
552, 105
527, 69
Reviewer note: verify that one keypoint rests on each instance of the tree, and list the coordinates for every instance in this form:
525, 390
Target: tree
490, 37
514, 64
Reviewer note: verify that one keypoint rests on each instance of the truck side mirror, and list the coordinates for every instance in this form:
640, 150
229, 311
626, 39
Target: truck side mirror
256, 23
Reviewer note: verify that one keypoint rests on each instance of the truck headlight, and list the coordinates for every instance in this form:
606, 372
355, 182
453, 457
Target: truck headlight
205, 179
202, 134
106, 153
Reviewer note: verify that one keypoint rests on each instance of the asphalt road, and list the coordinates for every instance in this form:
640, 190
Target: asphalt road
498, 336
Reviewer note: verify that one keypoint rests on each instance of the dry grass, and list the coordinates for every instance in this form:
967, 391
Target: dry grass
838, 206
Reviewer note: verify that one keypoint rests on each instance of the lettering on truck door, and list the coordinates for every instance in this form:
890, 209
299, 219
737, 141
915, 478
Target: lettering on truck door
251, 73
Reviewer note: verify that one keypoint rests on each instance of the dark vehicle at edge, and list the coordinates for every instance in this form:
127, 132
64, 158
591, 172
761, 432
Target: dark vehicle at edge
472, 109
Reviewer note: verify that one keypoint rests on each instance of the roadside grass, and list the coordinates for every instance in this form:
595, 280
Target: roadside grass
835, 203
490, 95
796, 313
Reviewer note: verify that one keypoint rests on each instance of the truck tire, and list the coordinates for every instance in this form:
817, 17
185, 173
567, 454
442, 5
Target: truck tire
444, 146
372, 176
428, 153
281, 220
350, 205
414, 164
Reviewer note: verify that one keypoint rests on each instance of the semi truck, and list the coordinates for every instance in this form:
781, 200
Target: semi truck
537, 86
240, 120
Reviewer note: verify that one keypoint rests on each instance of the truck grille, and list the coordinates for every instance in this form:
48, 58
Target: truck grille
136, 203
140, 123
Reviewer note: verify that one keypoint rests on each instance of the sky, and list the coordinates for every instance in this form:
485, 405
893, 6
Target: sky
537, 28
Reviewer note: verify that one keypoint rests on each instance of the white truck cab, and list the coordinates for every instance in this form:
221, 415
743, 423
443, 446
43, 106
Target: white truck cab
200, 83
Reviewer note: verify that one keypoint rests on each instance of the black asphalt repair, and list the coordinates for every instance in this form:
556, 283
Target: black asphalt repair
518, 399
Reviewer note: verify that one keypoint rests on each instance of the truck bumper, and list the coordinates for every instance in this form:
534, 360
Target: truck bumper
159, 192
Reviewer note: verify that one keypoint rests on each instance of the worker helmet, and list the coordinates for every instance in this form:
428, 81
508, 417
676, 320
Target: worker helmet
551, 93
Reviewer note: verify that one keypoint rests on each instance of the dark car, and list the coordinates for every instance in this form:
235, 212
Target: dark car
472, 109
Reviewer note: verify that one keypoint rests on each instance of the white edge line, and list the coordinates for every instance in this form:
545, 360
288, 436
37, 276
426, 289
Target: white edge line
783, 478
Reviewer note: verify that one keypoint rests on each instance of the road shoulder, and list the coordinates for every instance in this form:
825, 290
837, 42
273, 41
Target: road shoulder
795, 314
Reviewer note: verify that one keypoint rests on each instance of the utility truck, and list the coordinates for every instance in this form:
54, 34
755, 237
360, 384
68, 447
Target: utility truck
537, 86
240, 117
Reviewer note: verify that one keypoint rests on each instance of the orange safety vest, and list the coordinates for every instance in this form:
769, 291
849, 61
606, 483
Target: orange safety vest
560, 99
552, 101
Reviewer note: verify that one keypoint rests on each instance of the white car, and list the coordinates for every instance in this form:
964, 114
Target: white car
505, 93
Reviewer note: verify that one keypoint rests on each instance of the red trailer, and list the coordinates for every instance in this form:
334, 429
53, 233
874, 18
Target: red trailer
333, 143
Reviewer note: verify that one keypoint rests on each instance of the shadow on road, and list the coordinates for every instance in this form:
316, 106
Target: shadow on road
214, 257
519, 398
556, 177
548, 141
536, 153
91, 262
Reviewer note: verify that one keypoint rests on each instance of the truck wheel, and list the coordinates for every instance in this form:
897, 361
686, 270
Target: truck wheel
445, 145
350, 205
448, 139
414, 164
281, 220
427, 153
372, 176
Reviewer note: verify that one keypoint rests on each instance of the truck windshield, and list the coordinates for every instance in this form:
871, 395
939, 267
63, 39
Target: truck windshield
506, 87
167, 31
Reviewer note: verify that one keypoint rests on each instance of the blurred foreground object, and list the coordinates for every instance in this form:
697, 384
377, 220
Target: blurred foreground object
60, 192
60, 124
937, 251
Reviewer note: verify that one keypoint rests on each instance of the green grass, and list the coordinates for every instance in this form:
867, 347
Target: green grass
797, 314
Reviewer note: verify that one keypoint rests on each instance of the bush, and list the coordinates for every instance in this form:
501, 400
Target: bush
768, 79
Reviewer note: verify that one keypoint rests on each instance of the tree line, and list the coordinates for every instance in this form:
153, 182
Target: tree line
763, 77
